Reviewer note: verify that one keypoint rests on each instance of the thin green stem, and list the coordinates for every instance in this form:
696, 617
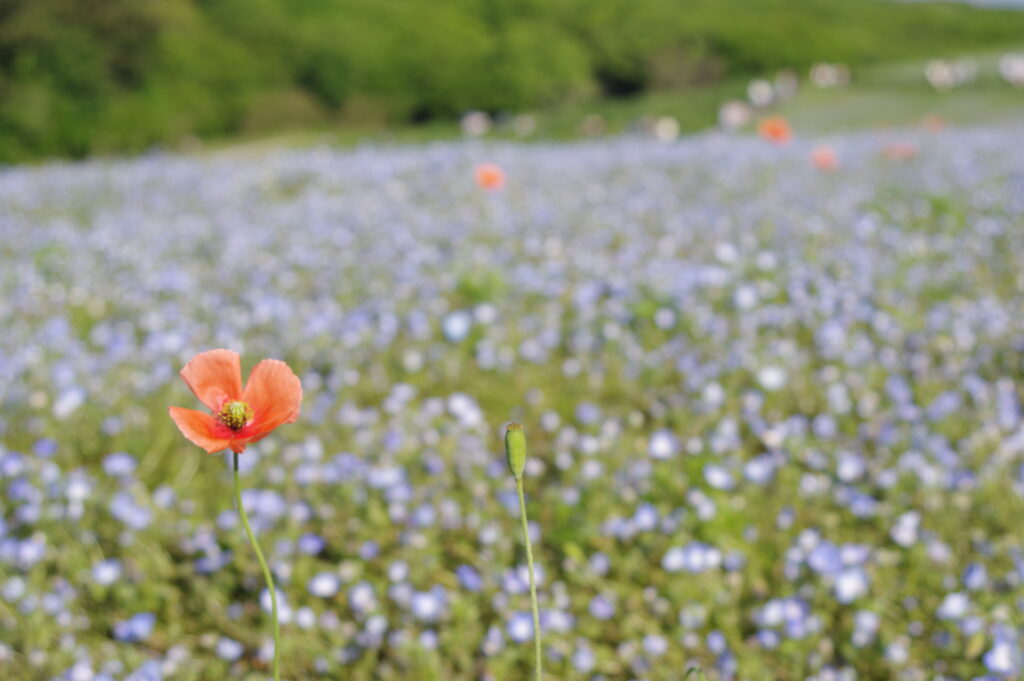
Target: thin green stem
533, 581
266, 572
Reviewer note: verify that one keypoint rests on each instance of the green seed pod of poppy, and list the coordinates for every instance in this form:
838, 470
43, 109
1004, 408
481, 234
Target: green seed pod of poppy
515, 449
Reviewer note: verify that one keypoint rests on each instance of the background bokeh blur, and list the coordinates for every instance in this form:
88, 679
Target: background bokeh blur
86, 76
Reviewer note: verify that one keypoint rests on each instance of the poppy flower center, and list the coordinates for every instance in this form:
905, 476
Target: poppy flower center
235, 414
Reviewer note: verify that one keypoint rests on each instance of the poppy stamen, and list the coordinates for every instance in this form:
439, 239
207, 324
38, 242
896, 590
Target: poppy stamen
235, 414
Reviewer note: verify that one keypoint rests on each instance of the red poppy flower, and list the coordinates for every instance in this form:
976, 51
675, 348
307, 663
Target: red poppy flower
825, 158
934, 123
272, 397
899, 151
490, 176
775, 129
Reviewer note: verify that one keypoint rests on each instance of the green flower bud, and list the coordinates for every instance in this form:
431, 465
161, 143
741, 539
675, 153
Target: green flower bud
515, 449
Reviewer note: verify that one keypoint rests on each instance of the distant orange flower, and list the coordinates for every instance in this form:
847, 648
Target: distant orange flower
490, 176
825, 158
934, 123
775, 129
899, 151
272, 397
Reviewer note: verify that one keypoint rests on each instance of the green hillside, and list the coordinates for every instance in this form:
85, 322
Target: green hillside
79, 77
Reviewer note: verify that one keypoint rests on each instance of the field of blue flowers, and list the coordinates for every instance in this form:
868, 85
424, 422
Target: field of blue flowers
773, 412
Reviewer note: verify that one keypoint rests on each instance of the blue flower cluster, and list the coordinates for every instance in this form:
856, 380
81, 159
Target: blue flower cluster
774, 414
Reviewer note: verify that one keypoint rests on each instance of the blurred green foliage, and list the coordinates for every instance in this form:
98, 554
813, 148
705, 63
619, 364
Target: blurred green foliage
92, 76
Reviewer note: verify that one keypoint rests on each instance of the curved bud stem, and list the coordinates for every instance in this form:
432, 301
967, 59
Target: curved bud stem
533, 581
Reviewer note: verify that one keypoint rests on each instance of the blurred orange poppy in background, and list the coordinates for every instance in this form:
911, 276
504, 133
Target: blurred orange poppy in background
272, 397
825, 158
934, 123
490, 176
775, 129
900, 151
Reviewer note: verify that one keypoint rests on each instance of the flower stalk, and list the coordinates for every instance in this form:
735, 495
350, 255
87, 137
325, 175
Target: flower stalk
263, 566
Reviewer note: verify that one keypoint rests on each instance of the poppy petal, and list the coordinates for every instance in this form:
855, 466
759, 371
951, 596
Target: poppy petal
215, 376
275, 394
200, 428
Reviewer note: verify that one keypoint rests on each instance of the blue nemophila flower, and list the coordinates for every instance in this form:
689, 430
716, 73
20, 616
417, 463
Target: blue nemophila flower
13, 589
718, 477
851, 584
702, 504
229, 649
1004, 657
583, 658
865, 623
374, 632
150, 670
24, 553
954, 606
401, 593
125, 508
760, 470
975, 576
694, 557
164, 497
23, 490
825, 559
469, 578
361, 597
772, 377
655, 645
428, 639
82, 670
428, 606
45, 447
324, 584
106, 572
520, 627
971, 625
716, 642
68, 402
905, 530
284, 608
602, 607
663, 445
398, 571
850, 467
588, 413
645, 518
599, 563
558, 621
517, 580
311, 544
305, 618
136, 628
457, 325
1008, 410
494, 640
119, 464
12, 464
